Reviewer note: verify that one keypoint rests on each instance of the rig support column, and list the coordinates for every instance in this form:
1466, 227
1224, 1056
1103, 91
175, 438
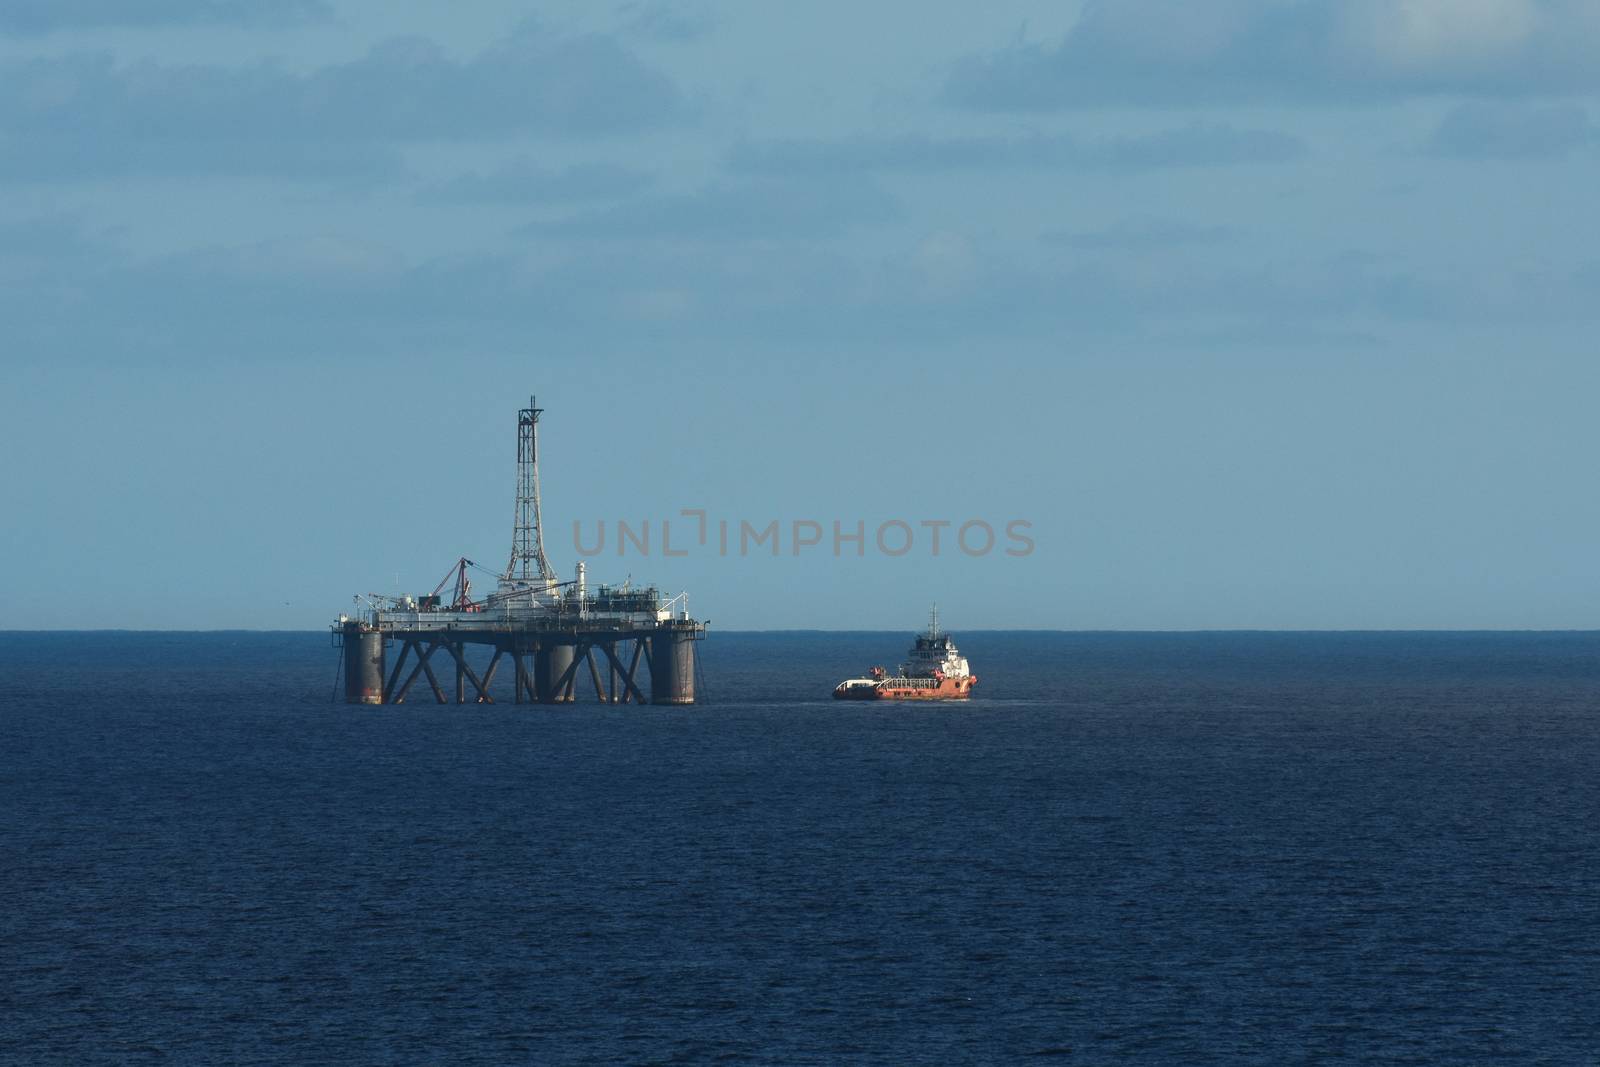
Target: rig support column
553, 668
672, 664
363, 664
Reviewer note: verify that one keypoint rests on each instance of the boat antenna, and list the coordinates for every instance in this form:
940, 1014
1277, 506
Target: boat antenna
933, 622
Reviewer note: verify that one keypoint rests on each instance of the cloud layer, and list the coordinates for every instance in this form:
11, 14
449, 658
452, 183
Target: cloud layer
47, 16
1141, 235
1194, 145
752, 273
765, 209
89, 116
1500, 130
522, 181
1180, 53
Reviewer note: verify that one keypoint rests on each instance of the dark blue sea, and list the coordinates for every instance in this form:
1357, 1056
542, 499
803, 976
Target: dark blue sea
1157, 848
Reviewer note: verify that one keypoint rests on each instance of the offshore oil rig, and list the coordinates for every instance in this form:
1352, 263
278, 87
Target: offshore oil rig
544, 630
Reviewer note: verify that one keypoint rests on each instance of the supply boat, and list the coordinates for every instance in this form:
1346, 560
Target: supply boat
937, 671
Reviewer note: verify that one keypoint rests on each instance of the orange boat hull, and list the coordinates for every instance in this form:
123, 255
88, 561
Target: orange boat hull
947, 689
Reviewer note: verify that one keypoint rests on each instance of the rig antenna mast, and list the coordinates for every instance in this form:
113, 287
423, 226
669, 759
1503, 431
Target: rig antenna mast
527, 541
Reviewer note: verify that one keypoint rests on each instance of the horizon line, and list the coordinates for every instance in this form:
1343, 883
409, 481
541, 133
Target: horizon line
970, 630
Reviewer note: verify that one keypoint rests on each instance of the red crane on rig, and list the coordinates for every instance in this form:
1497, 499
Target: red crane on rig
461, 597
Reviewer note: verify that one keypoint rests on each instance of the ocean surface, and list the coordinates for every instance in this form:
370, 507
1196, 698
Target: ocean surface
1129, 848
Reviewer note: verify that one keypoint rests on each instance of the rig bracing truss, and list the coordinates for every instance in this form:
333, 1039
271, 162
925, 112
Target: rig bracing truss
538, 677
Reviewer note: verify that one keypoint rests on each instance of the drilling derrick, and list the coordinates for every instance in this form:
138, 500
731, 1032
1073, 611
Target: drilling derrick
528, 560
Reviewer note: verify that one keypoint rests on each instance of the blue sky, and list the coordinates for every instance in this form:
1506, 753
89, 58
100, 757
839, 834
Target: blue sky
1261, 313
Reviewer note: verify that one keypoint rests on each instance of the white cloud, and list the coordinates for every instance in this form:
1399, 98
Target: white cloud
1423, 35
